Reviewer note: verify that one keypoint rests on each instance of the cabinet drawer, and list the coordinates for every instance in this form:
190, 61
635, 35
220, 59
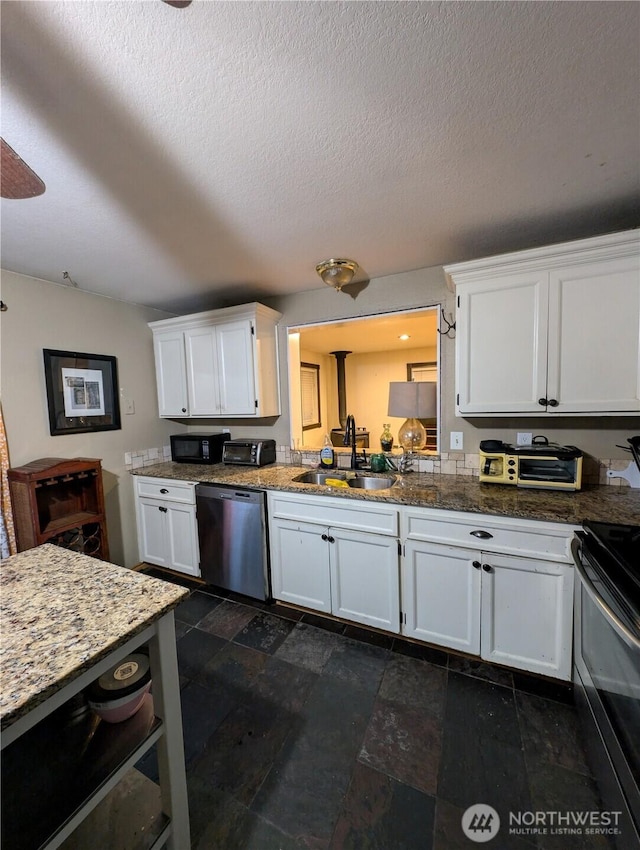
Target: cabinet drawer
549, 541
338, 513
167, 489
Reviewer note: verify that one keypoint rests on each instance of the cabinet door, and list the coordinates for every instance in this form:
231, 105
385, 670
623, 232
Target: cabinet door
235, 369
171, 373
501, 344
527, 609
300, 564
182, 539
202, 378
441, 595
365, 578
594, 337
152, 532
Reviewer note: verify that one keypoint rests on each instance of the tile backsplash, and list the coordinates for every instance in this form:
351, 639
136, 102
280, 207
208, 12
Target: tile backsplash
138, 458
594, 470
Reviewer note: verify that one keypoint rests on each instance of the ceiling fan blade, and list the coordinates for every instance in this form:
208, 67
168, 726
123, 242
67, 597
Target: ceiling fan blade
177, 4
17, 180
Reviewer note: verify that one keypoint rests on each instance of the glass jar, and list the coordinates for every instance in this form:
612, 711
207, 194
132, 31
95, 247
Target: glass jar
386, 439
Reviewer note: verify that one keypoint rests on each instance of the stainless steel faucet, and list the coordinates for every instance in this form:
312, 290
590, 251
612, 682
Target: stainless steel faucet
350, 440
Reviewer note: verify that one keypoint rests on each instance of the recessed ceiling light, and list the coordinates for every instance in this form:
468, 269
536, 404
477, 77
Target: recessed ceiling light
404, 336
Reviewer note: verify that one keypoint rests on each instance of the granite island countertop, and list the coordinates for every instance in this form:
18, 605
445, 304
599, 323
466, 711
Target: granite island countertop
443, 492
61, 613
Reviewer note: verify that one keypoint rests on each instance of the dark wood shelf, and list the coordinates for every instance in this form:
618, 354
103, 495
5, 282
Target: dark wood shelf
50, 772
71, 521
54, 497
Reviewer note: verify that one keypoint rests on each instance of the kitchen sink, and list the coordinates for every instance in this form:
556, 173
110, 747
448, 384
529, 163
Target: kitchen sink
362, 482
372, 482
318, 477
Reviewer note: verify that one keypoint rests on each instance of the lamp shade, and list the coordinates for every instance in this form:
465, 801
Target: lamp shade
413, 399
416, 400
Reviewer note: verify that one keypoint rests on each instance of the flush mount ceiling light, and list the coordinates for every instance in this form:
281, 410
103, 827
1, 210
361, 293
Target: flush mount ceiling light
337, 273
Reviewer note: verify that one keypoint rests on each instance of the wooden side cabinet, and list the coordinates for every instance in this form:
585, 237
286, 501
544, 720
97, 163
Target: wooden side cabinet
61, 501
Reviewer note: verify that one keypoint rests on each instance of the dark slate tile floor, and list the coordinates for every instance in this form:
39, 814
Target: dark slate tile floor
302, 732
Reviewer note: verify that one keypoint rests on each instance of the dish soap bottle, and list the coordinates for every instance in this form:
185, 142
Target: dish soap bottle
327, 454
386, 439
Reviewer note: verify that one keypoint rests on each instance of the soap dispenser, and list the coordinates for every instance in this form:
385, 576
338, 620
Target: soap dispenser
327, 454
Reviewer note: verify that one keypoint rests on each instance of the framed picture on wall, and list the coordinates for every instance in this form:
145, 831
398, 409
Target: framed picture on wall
82, 392
310, 392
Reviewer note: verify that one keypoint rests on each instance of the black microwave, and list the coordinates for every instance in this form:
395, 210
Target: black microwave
198, 448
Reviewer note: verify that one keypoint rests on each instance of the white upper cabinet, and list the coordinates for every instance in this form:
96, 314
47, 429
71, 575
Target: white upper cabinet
222, 363
171, 373
550, 331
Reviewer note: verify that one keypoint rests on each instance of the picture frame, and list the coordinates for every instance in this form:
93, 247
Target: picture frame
310, 395
82, 392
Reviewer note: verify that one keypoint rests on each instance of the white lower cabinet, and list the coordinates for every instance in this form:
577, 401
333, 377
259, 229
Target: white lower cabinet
300, 564
336, 556
495, 587
441, 596
527, 614
364, 578
167, 526
511, 610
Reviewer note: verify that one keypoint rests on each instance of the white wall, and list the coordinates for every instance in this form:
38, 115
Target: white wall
41, 315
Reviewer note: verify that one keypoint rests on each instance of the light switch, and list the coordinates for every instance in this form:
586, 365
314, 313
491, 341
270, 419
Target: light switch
455, 443
128, 405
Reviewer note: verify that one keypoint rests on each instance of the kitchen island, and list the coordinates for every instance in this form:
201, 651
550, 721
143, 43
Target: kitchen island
66, 619
421, 489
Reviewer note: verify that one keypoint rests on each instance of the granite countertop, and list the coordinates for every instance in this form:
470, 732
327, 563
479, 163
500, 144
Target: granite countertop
61, 613
444, 492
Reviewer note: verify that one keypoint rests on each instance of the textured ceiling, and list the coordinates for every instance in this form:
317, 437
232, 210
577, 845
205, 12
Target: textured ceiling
215, 154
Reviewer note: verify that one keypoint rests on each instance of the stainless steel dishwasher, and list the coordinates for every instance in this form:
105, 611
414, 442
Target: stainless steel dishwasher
232, 530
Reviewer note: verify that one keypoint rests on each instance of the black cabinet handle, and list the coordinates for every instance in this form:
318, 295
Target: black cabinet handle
477, 564
164, 510
332, 539
184, 409
487, 568
553, 402
163, 490
325, 536
482, 535
543, 402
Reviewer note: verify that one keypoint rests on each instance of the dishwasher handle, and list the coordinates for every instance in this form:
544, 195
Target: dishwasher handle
231, 494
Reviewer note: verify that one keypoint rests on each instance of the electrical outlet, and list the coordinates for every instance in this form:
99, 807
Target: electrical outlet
523, 438
455, 443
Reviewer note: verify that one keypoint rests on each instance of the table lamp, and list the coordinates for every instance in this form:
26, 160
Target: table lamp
416, 400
